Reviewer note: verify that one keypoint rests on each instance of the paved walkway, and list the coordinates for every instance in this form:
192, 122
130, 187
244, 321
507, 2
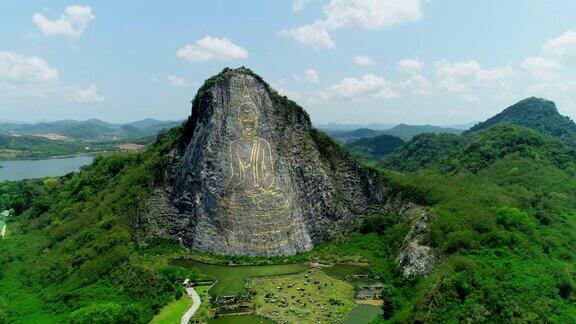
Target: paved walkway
195, 305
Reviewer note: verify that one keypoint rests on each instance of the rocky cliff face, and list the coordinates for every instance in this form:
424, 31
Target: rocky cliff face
254, 178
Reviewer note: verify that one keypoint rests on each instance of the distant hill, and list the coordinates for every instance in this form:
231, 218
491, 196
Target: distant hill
330, 127
422, 151
150, 122
538, 114
34, 147
92, 129
374, 148
406, 132
403, 131
349, 136
463, 126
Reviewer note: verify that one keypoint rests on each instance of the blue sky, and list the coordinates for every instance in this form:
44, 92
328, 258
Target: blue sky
347, 61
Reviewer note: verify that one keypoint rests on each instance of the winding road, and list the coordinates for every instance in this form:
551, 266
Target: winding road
195, 305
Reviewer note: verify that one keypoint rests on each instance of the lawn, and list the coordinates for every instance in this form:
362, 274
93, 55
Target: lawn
309, 297
173, 312
232, 279
362, 314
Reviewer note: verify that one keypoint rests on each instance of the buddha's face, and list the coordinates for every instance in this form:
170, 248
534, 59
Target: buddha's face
248, 119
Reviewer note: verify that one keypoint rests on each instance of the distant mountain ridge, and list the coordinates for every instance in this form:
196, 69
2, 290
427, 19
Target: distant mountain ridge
91, 129
403, 131
515, 126
349, 127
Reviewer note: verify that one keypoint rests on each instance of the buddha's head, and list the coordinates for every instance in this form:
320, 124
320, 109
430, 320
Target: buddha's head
248, 118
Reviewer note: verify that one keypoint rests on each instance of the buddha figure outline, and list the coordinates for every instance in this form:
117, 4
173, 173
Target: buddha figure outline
251, 190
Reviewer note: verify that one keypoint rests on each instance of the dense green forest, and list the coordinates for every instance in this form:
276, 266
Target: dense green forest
505, 211
374, 148
69, 255
538, 114
504, 200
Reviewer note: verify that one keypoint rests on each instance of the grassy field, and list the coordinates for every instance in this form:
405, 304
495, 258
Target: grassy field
310, 297
172, 313
362, 314
232, 279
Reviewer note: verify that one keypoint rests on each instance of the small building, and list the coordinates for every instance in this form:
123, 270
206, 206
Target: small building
4, 215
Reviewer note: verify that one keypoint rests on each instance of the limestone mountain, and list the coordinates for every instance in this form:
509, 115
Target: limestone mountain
538, 114
253, 177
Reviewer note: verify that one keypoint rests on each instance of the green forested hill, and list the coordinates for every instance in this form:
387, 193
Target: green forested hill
421, 151
374, 148
70, 254
538, 114
506, 217
504, 206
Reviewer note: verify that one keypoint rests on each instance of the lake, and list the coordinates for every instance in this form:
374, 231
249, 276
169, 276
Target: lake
35, 169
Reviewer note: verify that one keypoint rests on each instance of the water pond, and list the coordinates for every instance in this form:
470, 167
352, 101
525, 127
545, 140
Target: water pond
341, 271
36, 169
240, 319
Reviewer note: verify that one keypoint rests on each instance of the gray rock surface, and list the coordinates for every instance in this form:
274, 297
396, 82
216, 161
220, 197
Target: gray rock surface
254, 178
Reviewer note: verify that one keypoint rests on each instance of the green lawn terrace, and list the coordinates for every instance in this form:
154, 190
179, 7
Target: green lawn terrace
294, 293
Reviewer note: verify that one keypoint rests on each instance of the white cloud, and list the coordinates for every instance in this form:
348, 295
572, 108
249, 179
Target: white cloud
176, 81
364, 60
541, 68
310, 76
365, 14
30, 76
88, 95
298, 5
463, 76
16, 68
291, 94
211, 48
371, 14
72, 23
313, 35
411, 66
369, 85
562, 47
418, 84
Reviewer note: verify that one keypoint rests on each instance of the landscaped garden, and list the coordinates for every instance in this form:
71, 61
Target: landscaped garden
232, 279
311, 297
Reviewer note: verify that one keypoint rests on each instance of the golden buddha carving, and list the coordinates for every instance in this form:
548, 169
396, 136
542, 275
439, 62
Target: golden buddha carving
251, 190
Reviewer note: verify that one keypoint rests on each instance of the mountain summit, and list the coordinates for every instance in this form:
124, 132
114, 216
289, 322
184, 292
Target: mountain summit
253, 178
538, 114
